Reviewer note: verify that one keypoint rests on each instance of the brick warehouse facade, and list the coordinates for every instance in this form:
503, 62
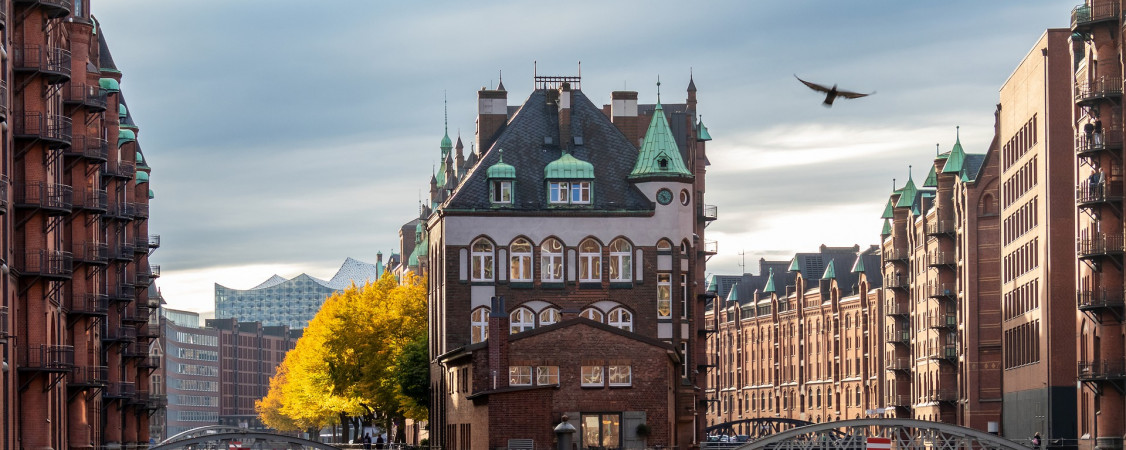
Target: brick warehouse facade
74, 324
565, 260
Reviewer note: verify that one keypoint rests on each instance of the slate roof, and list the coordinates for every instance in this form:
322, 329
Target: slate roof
972, 167
603, 146
813, 267
105, 59
352, 270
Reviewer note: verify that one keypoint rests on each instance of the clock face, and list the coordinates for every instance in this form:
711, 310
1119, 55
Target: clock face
664, 196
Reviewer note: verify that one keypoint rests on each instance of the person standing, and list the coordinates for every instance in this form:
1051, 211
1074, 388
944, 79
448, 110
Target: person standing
1036, 441
379, 442
366, 440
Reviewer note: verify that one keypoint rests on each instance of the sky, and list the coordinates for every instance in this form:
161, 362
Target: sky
285, 136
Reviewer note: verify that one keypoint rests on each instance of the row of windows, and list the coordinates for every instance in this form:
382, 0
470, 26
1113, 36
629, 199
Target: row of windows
1022, 345
1019, 143
1022, 260
201, 355
1020, 221
197, 369
523, 319
766, 402
199, 339
193, 400
194, 385
1020, 182
1022, 299
193, 416
521, 253
558, 192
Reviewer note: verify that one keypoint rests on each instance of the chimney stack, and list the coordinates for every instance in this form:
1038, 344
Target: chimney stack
564, 103
492, 116
498, 343
623, 113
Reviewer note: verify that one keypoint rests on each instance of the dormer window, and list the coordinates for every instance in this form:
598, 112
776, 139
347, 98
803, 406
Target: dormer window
501, 177
663, 163
580, 192
569, 181
501, 191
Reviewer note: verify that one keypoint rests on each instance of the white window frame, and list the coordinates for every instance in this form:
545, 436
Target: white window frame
664, 296
479, 325
519, 375
580, 192
684, 355
547, 375
590, 262
551, 262
664, 245
620, 318
558, 192
501, 191
592, 376
548, 316
482, 267
593, 314
684, 296
621, 261
520, 320
620, 375
520, 260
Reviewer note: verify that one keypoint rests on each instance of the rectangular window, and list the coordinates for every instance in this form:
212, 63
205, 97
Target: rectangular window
620, 376
664, 296
520, 267
684, 355
601, 431
580, 192
592, 376
558, 191
520, 375
547, 375
551, 267
502, 191
683, 296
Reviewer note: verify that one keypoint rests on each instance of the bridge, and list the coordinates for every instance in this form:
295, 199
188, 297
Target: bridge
900, 434
224, 435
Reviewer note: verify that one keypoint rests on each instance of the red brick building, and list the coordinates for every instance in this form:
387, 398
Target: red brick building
593, 240
248, 355
74, 193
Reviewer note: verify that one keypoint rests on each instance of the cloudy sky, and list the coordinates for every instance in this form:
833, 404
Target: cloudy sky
285, 136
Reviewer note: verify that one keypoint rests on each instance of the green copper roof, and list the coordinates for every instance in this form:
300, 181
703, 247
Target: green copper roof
500, 169
122, 111
859, 266
916, 210
733, 294
420, 249
769, 289
887, 228
109, 85
794, 266
441, 176
888, 210
957, 158
126, 136
702, 132
712, 285
128, 126
659, 155
907, 196
830, 271
932, 179
152, 194
568, 167
140, 158
446, 145
142, 177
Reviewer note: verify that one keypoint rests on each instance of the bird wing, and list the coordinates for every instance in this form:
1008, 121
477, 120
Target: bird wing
850, 94
814, 86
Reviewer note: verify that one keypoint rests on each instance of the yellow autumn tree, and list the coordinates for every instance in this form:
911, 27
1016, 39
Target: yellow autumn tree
344, 364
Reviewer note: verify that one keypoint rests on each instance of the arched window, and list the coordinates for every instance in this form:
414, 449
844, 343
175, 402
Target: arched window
520, 261
592, 314
621, 260
482, 260
590, 261
621, 318
549, 316
551, 261
480, 324
664, 245
664, 295
521, 319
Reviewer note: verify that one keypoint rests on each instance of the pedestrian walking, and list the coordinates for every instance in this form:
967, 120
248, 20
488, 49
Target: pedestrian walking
379, 442
1036, 441
366, 440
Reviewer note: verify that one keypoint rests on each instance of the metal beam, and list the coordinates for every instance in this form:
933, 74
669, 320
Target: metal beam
905, 434
241, 436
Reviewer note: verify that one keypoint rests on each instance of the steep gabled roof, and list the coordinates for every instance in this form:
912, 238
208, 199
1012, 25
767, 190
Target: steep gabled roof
659, 156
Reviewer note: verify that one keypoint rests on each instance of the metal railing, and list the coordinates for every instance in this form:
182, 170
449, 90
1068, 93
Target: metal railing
1100, 87
901, 363
89, 304
89, 147
1099, 192
154, 241
51, 61
89, 376
935, 259
90, 252
897, 400
899, 336
91, 96
711, 247
937, 227
5, 186
122, 292
936, 290
943, 352
1114, 369
37, 125
149, 362
96, 200
894, 281
896, 254
121, 389
120, 168
894, 308
45, 263
1087, 300
3, 92
1107, 139
709, 212
941, 395
141, 210
1099, 244
947, 320
1085, 15
121, 334
52, 197
51, 358
3, 323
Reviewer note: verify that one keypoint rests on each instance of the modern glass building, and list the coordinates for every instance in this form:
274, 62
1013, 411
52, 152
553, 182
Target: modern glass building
290, 302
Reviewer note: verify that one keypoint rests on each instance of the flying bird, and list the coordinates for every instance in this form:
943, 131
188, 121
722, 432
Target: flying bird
832, 93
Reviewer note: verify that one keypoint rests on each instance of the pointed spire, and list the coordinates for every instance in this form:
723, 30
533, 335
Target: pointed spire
932, 179
658, 90
769, 289
446, 144
659, 155
500, 80
691, 82
794, 265
702, 131
733, 294
907, 194
889, 212
887, 228
830, 271
957, 156
859, 266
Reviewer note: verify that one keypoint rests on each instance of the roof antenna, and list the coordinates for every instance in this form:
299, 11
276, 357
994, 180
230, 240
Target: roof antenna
446, 112
936, 149
893, 184
958, 133
908, 172
535, 72
658, 88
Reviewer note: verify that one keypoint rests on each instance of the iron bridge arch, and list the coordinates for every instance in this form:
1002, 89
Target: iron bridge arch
241, 436
905, 434
756, 428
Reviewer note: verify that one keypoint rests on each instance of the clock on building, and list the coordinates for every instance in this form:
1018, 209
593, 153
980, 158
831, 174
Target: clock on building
664, 196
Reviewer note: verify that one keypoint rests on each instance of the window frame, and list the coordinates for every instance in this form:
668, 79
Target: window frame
589, 373
520, 262
545, 375
621, 261
589, 312
520, 375
664, 295
482, 262
500, 192
590, 262
520, 320
558, 192
628, 376
614, 318
479, 324
579, 193
552, 261
554, 316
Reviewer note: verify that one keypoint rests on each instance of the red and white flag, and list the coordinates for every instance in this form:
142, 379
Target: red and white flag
879, 443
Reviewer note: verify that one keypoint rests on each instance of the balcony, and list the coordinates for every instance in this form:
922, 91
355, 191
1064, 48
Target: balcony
941, 227
53, 198
122, 292
123, 251
88, 377
896, 282
899, 336
899, 364
3, 93
1095, 245
941, 290
946, 353
92, 97
157, 401
149, 362
709, 212
896, 254
942, 321
95, 201
145, 274
898, 400
154, 241
711, 247
139, 398
52, 63
54, 129
120, 390
941, 259
135, 350
1098, 142
1106, 370
47, 358
120, 334
1084, 16
150, 330
5, 186
119, 211
88, 304
1094, 194
120, 169
3, 324
92, 148
1095, 302
1104, 87
894, 308
941, 395
55, 265
140, 210
90, 252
